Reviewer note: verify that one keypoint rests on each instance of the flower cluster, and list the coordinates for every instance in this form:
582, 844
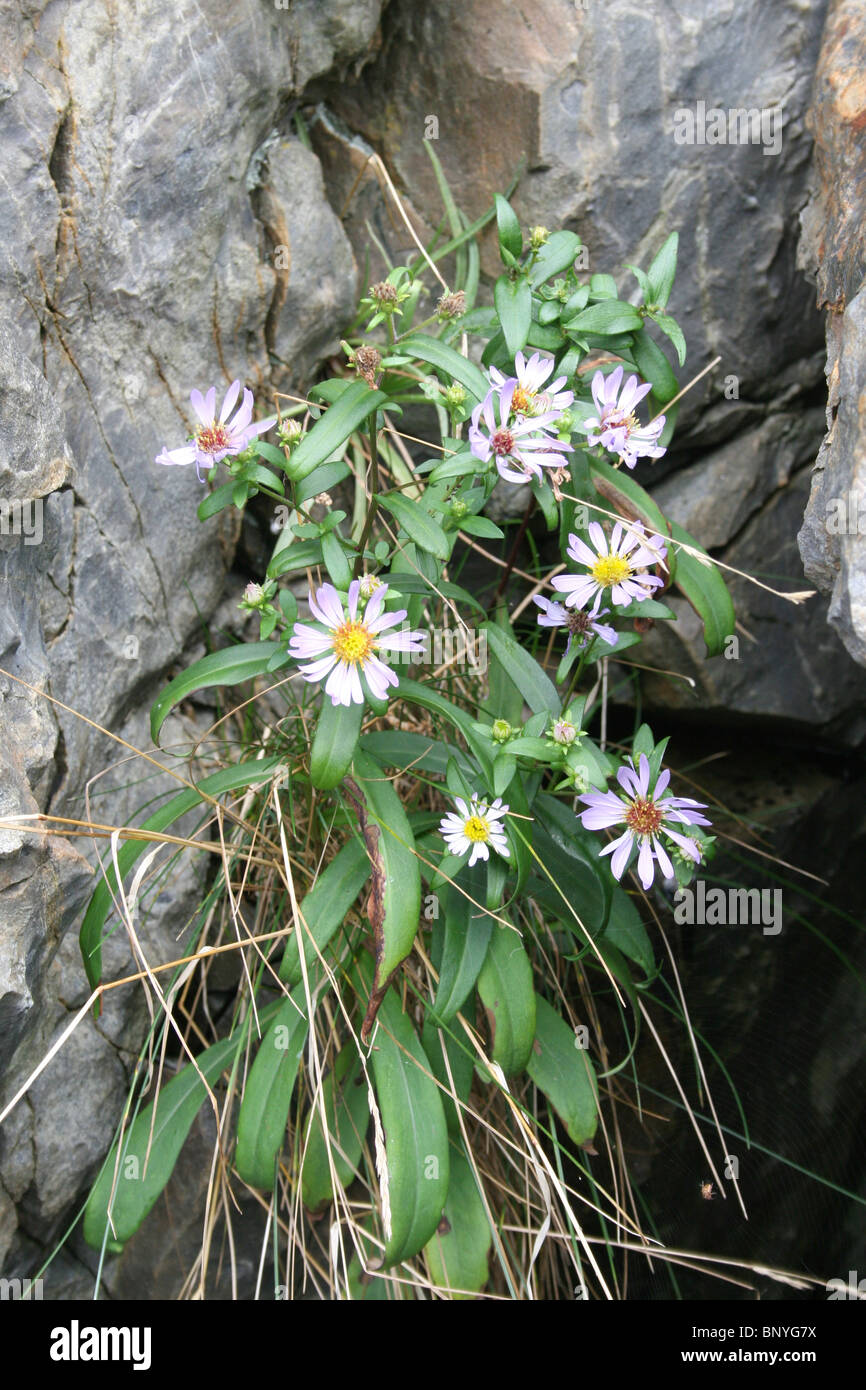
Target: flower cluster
616, 426
515, 424
475, 827
646, 811
347, 648
215, 439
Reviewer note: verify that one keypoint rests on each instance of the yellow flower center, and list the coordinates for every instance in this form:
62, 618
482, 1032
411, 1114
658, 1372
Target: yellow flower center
210, 438
522, 400
476, 828
352, 642
610, 569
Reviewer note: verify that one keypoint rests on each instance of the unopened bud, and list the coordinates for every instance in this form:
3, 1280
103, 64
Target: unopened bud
455, 396
501, 731
451, 306
537, 237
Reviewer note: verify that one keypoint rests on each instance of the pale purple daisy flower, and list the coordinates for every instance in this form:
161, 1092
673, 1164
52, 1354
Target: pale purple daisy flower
215, 438
580, 625
519, 446
529, 399
615, 567
475, 827
645, 811
616, 427
347, 650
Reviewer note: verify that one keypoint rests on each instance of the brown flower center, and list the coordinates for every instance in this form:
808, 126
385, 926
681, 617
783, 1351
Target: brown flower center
502, 442
644, 817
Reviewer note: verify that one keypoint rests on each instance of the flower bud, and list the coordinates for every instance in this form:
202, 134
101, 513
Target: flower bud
254, 596
501, 731
455, 396
563, 732
290, 433
459, 508
537, 237
451, 306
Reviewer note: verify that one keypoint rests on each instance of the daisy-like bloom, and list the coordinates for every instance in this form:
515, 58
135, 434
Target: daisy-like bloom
580, 625
528, 397
616, 427
616, 566
519, 445
475, 827
215, 438
347, 649
646, 813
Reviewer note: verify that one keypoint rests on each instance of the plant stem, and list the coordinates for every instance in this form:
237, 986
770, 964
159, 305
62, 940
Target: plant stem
513, 553
374, 504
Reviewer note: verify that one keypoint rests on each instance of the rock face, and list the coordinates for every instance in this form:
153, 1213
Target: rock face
164, 224
162, 227
833, 249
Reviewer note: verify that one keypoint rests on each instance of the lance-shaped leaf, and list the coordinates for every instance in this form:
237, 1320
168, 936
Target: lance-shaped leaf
457, 1253
535, 686
230, 666
264, 1110
505, 989
418, 524
334, 742
416, 1135
513, 300
354, 405
465, 930
510, 235
452, 363
395, 884
556, 255
347, 1115
662, 271
246, 774
562, 1069
324, 909
706, 591
607, 317
125, 1192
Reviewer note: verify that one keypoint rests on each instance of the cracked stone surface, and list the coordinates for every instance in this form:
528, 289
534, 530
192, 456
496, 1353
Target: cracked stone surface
833, 250
151, 177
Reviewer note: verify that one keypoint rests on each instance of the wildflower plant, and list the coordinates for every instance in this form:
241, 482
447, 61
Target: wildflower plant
420, 840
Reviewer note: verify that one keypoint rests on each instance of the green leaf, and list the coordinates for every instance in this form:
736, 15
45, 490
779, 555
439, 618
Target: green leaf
481, 526
334, 743
662, 271
328, 476
264, 1109
535, 686
244, 774
572, 858
510, 235
449, 361
505, 989
608, 316
215, 501
654, 367
626, 931
430, 699
460, 465
671, 328
296, 555
416, 1135
230, 666
457, 1253
396, 872
461, 1063
632, 502
418, 524
513, 300
347, 1116
556, 254
335, 560
465, 939
324, 909
411, 583
400, 748
564, 1073
150, 1147
355, 405
706, 590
